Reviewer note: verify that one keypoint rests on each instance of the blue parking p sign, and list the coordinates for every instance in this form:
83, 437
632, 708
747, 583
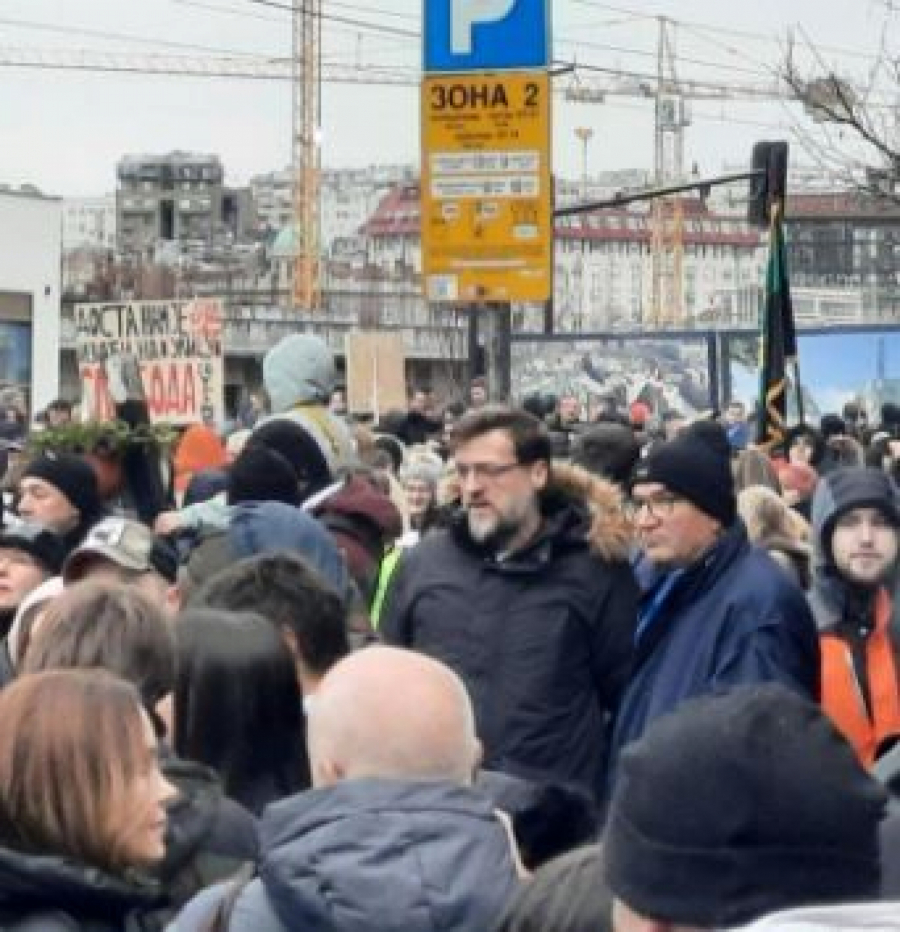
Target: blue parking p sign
486, 35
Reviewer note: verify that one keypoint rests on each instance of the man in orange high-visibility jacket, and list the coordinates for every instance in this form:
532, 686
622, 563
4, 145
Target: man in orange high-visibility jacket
856, 519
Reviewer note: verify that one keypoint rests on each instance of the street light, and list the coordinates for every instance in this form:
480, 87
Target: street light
585, 134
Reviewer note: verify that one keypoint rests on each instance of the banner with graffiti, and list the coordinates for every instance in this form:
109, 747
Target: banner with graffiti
178, 345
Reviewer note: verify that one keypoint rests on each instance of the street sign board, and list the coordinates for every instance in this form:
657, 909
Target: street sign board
482, 35
487, 216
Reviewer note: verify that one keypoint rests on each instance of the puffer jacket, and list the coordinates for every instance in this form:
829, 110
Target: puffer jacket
209, 836
391, 855
542, 639
46, 893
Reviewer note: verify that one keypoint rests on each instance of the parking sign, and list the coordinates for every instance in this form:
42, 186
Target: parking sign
484, 35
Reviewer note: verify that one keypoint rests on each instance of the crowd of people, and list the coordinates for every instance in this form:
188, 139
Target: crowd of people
474, 668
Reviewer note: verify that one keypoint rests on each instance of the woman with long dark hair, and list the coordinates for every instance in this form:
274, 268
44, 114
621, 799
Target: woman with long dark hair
82, 803
237, 706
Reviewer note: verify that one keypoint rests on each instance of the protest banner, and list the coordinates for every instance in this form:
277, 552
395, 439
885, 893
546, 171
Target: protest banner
376, 372
178, 344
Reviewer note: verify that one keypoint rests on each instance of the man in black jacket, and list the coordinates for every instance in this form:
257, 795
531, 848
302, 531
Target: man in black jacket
528, 597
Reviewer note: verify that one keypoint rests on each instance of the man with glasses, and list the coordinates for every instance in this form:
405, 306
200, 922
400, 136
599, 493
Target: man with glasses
528, 597
716, 612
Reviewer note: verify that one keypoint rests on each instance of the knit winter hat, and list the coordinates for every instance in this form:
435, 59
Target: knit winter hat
739, 805
299, 448
262, 474
72, 476
41, 544
697, 466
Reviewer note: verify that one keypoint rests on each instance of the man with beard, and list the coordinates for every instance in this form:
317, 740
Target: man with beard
528, 596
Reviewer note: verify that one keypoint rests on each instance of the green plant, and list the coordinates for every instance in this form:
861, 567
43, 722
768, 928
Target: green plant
102, 438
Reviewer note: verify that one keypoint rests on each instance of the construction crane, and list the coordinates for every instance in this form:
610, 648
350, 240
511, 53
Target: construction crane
307, 72
306, 153
667, 240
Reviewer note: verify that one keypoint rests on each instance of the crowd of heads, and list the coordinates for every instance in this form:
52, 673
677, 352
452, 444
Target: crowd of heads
238, 635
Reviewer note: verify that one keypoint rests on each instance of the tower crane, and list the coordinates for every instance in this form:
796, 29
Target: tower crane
306, 152
307, 72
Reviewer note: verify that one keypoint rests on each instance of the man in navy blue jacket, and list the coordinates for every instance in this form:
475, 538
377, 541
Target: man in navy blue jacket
716, 612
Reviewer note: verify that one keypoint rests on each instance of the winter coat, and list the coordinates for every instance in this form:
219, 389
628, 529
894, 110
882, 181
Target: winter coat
47, 893
542, 639
734, 618
390, 855
860, 651
209, 836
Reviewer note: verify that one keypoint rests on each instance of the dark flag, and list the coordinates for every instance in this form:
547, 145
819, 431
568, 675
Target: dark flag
778, 340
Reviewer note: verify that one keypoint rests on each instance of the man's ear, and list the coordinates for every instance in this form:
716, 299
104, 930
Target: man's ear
327, 772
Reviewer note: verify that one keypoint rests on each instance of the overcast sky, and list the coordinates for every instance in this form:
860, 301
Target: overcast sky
64, 131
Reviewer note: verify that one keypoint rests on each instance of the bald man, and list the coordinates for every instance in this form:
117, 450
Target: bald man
392, 836
392, 714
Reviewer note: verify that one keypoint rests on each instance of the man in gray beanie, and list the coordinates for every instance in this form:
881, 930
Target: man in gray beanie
716, 612
737, 806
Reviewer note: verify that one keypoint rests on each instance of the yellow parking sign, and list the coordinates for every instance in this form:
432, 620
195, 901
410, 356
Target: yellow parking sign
487, 215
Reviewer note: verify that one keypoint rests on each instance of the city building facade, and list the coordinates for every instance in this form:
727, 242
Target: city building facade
30, 253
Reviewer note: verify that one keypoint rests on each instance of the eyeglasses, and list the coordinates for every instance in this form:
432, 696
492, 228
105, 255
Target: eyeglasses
659, 507
486, 472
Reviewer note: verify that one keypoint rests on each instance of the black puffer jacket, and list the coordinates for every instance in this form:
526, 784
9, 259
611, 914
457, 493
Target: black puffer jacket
44, 893
543, 639
209, 838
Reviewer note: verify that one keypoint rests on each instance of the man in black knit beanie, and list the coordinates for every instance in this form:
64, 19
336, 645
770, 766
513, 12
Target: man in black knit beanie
716, 612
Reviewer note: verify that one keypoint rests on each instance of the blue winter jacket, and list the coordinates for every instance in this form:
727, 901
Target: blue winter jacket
733, 619
391, 855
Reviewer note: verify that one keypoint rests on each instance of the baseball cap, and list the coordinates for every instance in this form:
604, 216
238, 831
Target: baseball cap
128, 544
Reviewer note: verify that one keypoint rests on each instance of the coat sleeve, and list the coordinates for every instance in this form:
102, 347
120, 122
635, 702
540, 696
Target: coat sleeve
395, 621
613, 630
780, 650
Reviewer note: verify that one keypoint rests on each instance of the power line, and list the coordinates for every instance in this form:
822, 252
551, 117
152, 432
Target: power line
344, 20
721, 30
118, 36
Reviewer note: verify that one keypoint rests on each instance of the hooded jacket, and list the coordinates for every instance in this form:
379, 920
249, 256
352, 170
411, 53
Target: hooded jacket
299, 377
47, 893
266, 527
364, 523
734, 618
542, 639
860, 651
391, 855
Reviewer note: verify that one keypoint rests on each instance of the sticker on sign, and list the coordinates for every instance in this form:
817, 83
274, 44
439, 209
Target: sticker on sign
453, 163
443, 288
507, 186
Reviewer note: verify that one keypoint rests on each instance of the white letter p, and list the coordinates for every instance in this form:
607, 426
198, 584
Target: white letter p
466, 14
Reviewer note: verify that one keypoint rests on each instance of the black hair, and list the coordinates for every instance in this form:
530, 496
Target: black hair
288, 593
530, 438
567, 895
238, 707
815, 438
609, 450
